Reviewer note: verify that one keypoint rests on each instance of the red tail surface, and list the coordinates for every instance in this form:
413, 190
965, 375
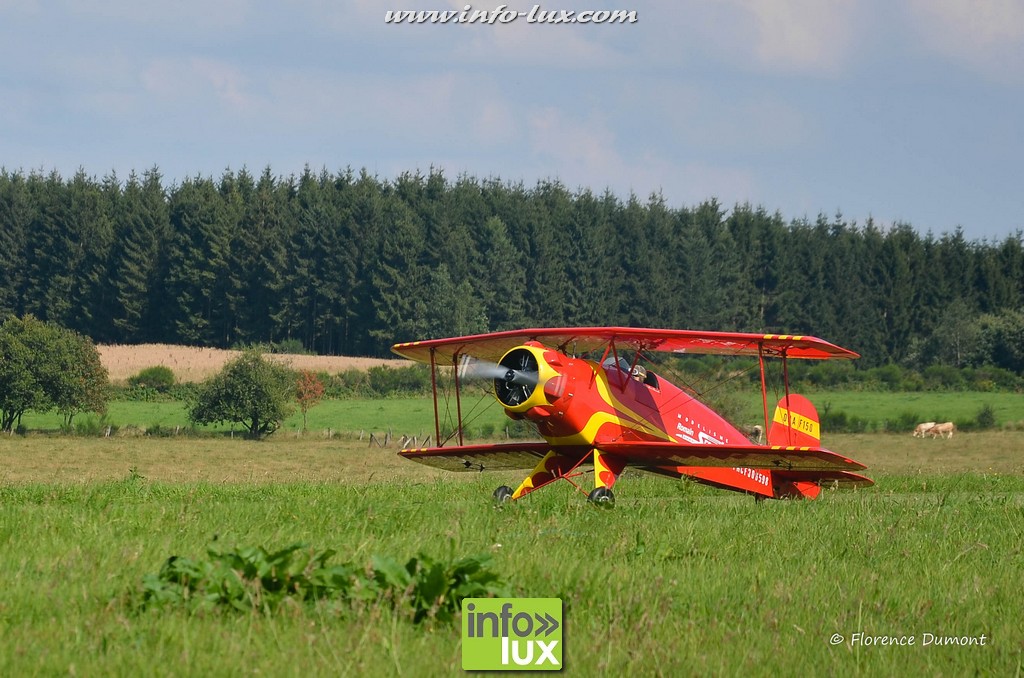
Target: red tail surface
795, 423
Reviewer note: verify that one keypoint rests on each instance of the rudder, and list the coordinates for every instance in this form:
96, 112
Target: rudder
795, 423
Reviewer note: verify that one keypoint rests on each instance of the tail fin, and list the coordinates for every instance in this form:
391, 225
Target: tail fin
795, 423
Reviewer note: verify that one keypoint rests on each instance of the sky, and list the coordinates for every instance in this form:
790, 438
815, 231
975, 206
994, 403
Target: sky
902, 111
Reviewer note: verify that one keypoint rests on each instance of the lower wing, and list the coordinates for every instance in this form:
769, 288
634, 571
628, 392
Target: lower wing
775, 458
524, 455
503, 457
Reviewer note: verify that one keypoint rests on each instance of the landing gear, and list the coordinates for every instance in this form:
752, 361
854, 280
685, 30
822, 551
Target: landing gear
601, 496
503, 495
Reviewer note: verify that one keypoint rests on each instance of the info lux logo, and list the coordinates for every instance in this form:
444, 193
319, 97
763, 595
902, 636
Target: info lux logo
518, 634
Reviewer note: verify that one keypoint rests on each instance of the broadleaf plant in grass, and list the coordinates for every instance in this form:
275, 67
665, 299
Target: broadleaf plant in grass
250, 390
255, 579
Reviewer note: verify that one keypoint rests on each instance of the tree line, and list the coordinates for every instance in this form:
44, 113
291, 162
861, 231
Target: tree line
350, 263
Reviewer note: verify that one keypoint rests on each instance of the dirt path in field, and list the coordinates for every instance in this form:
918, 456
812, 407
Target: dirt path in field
195, 364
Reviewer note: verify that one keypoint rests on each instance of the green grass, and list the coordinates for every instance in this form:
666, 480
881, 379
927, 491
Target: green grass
403, 416
676, 580
923, 405
415, 416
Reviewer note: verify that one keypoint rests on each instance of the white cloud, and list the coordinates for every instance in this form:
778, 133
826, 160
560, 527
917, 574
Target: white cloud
987, 36
194, 79
556, 47
583, 152
801, 37
804, 36
429, 112
193, 16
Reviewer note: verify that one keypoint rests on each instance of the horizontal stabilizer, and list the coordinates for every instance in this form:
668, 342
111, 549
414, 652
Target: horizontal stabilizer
841, 479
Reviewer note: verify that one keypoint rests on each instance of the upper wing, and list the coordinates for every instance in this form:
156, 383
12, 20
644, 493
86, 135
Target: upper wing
734, 456
582, 339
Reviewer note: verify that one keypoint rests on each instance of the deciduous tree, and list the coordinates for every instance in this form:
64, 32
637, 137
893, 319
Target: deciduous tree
309, 391
250, 390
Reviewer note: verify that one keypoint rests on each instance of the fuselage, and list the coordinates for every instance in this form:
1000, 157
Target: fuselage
583, 402
578, 402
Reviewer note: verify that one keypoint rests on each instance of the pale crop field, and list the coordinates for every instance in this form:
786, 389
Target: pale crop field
191, 364
677, 579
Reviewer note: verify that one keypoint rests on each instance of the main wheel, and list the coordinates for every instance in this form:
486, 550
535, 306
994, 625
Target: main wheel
601, 496
503, 495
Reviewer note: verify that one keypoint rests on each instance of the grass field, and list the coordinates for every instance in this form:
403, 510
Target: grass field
676, 580
403, 416
961, 406
415, 416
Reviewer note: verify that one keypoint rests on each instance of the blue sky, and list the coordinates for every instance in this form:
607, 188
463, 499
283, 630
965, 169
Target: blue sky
900, 110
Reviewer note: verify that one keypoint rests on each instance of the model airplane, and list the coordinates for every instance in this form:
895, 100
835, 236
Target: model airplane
611, 413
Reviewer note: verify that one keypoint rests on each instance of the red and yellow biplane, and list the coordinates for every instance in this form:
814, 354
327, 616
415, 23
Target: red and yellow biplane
611, 412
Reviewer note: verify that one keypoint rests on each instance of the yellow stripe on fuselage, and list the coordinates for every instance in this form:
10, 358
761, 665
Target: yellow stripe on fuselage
621, 415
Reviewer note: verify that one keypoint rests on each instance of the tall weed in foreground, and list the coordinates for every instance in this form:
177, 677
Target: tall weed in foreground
255, 579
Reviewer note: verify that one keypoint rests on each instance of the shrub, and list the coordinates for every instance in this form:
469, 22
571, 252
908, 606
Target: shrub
92, 426
411, 380
989, 378
904, 423
831, 374
986, 418
888, 377
290, 346
840, 422
158, 378
944, 377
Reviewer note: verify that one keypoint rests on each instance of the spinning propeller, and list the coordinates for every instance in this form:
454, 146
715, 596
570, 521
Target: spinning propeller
515, 377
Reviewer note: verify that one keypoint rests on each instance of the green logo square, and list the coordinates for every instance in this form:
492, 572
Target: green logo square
512, 634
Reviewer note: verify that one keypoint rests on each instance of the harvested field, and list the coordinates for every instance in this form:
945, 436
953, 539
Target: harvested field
191, 363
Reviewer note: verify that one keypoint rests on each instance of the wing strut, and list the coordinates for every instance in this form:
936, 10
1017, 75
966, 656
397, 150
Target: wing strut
458, 395
433, 388
785, 380
764, 388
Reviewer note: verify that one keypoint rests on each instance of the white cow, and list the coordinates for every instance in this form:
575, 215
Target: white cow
923, 428
944, 430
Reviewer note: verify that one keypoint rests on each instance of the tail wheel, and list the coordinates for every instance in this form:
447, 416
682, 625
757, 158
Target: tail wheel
601, 496
503, 495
